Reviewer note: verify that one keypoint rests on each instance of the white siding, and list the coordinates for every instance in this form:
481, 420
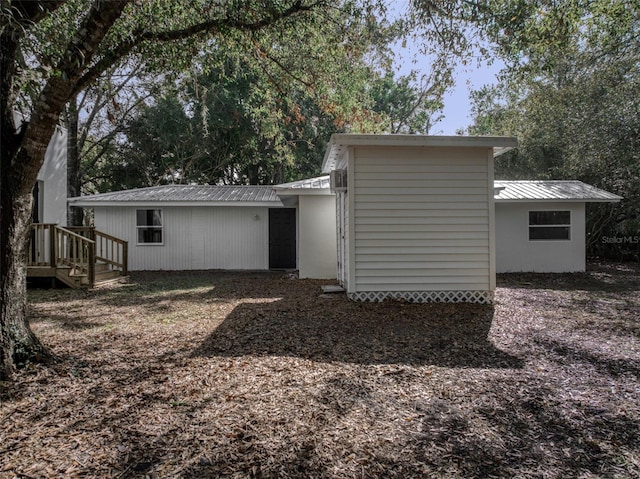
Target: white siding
52, 179
514, 251
421, 219
317, 236
195, 237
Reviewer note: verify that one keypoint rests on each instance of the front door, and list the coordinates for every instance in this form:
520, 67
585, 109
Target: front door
282, 238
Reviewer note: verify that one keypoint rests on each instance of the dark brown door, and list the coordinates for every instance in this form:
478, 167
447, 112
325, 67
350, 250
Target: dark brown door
282, 238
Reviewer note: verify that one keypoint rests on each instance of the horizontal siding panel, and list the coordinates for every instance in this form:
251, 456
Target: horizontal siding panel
403, 244
413, 160
422, 194
393, 229
422, 286
424, 216
478, 279
475, 171
425, 272
415, 251
409, 157
429, 261
435, 234
438, 221
423, 181
378, 206
402, 257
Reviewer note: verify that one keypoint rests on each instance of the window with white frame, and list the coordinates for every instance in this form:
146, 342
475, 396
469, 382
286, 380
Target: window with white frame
149, 226
549, 225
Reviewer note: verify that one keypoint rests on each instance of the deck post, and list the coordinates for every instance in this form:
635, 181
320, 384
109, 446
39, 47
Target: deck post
125, 258
53, 256
91, 267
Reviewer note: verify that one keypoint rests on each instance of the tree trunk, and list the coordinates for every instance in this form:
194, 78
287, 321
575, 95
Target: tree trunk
18, 344
75, 214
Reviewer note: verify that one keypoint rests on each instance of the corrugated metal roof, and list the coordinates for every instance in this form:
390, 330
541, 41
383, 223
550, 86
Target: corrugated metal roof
559, 190
320, 182
186, 194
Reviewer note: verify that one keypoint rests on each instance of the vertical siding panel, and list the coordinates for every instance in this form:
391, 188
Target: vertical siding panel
226, 237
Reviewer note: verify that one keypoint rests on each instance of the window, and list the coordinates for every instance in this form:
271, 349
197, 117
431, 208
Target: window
149, 225
549, 225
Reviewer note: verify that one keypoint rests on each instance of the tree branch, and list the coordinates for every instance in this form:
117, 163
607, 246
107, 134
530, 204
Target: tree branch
214, 26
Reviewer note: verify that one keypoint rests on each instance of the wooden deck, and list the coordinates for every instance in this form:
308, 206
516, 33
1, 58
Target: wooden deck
78, 257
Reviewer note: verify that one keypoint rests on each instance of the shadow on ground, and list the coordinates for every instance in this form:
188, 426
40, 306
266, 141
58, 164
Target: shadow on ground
337, 330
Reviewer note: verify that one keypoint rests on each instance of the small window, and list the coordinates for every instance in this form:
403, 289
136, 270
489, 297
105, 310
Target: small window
549, 225
149, 225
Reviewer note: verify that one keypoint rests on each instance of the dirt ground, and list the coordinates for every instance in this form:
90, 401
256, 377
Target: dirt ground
212, 374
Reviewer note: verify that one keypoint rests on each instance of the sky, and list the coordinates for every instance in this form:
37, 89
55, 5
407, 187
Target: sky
456, 102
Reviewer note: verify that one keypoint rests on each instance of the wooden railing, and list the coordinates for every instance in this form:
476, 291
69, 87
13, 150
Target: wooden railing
109, 249
77, 252
41, 245
76, 249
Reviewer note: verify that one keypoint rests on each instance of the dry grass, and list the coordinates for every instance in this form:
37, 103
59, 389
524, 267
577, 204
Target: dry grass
254, 375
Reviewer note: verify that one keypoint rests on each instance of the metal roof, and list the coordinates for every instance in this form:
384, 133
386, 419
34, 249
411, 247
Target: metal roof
334, 156
318, 183
557, 190
185, 195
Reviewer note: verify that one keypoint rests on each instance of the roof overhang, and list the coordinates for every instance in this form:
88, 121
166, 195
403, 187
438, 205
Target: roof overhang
550, 191
310, 186
162, 204
334, 157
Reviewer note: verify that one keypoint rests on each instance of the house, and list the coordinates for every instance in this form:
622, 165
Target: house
540, 225
415, 215
78, 257
316, 206
50, 190
189, 227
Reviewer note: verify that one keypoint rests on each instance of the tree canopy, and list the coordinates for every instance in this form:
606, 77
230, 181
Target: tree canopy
571, 96
53, 52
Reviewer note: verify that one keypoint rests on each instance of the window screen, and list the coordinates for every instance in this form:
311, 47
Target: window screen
549, 225
149, 226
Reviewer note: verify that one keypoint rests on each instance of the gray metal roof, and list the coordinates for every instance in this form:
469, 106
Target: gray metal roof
559, 190
225, 195
318, 183
184, 194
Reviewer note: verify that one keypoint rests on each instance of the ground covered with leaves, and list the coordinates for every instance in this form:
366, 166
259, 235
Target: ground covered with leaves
211, 374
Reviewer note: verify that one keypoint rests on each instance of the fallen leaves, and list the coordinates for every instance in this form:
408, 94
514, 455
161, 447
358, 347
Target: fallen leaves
214, 374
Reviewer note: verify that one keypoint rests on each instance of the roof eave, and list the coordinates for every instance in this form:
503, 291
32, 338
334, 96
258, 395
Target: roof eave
341, 141
162, 204
557, 200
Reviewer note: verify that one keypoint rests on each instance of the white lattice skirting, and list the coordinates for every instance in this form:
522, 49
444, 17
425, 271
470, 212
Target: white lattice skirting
480, 297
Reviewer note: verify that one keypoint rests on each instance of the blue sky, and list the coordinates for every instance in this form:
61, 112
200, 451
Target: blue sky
456, 101
457, 111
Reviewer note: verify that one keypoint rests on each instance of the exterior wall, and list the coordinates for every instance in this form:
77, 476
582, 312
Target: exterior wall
514, 251
52, 179
229, 237
342, 238
420, 219
317, 236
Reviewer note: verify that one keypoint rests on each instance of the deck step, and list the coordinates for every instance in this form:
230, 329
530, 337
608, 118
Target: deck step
332, 289
108, 275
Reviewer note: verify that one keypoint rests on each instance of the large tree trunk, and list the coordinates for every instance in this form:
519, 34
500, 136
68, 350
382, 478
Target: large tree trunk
18, 344
75, 214
21, 157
